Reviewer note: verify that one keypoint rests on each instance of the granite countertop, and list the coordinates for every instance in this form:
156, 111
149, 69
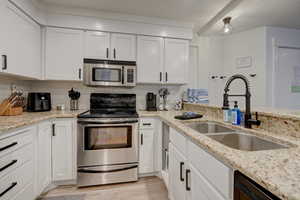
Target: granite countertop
276, 170
8, 123
269, 111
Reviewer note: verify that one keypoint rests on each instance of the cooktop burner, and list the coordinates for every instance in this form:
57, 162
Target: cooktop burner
103, 105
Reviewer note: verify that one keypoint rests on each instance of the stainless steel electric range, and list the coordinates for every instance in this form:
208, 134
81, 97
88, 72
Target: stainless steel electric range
108, 140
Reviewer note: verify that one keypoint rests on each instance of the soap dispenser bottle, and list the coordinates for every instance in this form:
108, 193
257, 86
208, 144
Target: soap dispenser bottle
236, 114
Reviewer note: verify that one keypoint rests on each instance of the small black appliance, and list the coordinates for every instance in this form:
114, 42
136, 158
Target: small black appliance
38, 102
151, 102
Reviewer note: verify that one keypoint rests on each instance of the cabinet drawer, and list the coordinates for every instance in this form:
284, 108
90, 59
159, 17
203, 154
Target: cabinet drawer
15, 159
147, 123
10, 144
14, 182
178, 140
26, 193
218, 174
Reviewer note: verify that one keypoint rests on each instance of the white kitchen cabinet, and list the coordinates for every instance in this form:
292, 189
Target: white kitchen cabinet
150, 59
176, 61
195, 174
199, 187
146, 161
123, 47
20, 42
63, 54
177, 166
64, 150
44, 159
96, 45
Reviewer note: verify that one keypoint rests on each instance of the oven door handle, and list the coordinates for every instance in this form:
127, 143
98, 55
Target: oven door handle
106, 171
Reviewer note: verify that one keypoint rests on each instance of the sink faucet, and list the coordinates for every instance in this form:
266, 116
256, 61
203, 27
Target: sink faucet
248, 121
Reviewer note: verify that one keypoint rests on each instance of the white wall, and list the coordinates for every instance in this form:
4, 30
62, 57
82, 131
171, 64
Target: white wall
210, 64
252, 44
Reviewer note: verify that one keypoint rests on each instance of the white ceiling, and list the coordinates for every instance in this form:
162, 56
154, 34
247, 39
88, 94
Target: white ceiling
254, 13
199, 11
248, 14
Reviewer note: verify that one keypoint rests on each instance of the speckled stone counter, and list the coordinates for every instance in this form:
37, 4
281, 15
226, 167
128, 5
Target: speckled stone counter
8, 123
276, 170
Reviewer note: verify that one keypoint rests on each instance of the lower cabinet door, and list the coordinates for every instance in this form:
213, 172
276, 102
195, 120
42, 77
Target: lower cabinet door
146, 163
63, 150
44, 156
198, 187
177, 187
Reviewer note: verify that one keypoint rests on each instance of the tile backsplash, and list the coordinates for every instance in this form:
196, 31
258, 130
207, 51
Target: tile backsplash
6, 83
59, 91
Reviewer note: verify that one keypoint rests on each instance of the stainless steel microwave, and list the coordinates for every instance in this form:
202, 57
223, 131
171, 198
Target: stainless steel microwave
109, 73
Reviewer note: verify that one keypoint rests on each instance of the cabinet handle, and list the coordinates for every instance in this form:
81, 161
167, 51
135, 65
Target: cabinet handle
114, 53
8, 165
142, 139
8, 146
166, 76
187, 187
181, 168
53, 130
79, 73
160, 76
146, 124
4, 62
8, 189
107, 52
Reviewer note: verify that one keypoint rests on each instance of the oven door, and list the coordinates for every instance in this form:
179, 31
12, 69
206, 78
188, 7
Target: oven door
107, 144
103, 75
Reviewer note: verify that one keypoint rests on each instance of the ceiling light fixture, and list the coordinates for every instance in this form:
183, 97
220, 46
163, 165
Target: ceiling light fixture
227, 26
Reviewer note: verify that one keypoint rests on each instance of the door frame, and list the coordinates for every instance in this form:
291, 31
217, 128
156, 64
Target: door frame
276, 45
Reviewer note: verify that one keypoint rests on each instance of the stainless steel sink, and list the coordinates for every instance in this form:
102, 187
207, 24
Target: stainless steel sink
209, 127
245, 142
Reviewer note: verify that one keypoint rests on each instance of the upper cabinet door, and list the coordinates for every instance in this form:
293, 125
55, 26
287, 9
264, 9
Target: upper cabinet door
123, 47
20, 43
176, 61
64, 54
96, 45
150, 62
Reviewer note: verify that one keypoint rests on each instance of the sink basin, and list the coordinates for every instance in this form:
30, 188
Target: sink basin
209, 127
245, 142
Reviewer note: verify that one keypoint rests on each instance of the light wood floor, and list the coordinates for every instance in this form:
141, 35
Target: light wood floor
150, 188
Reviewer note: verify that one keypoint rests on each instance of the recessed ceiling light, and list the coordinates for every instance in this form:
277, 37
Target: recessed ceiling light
227, 26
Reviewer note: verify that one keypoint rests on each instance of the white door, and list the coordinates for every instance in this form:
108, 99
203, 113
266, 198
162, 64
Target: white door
44, 156
199, 187
96, 45
177, 168
64, 54
63, 141
146, 164
21, 43
176, 61
123, 47
150, 60
287, 79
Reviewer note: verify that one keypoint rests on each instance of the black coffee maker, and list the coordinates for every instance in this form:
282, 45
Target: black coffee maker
151, 102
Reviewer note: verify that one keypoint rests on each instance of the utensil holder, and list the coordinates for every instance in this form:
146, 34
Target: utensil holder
74, 104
